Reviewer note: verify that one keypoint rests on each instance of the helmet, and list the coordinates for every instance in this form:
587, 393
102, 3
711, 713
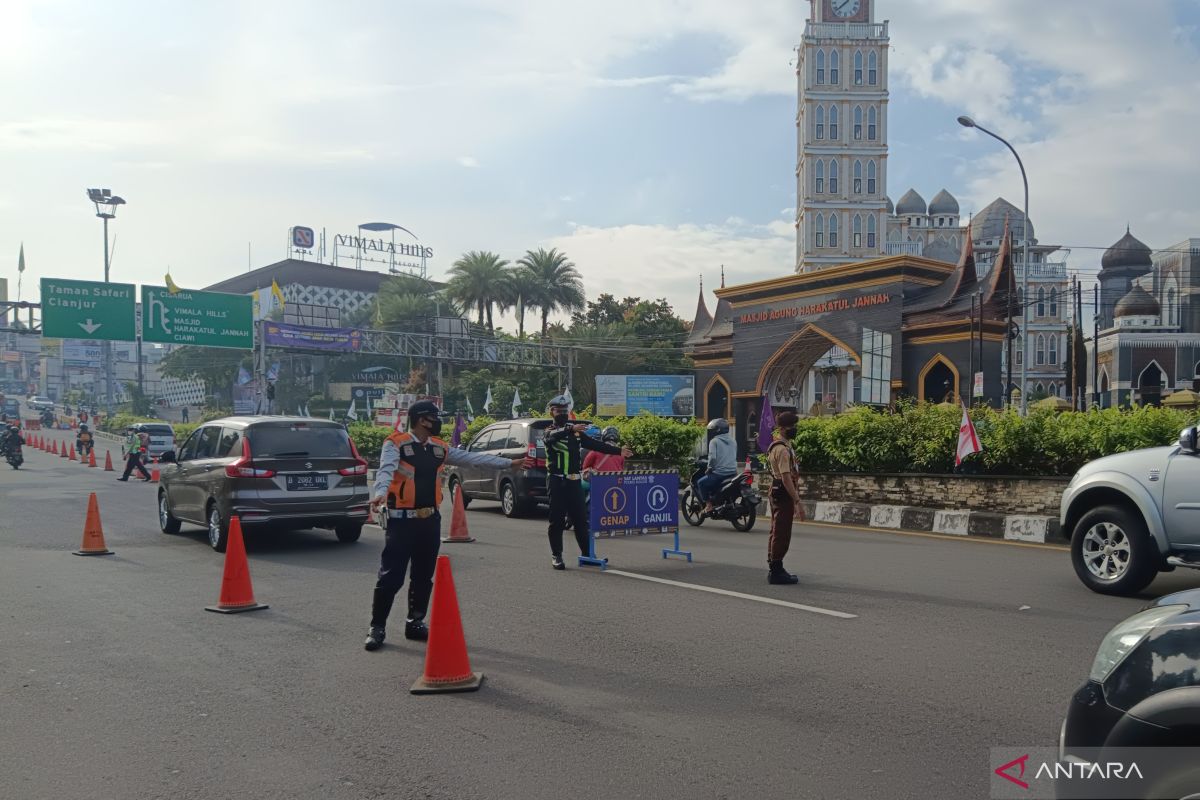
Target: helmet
83, 426
719, 425
593, 431
558, 400
423, 408
611, 434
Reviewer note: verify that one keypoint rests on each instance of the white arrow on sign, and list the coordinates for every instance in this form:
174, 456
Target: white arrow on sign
89, 326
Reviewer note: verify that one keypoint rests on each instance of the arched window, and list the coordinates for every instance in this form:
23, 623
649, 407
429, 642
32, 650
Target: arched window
819, 231
872, 68
835, 59
871, 176
858, 68
820, 66
871, 231
833, 176
819, 118
1052, 389
819, 174
1039, 353
858, 123
833, 229
857, 231
871, 127
833, 122
1054, 348
1170, 304
1053, 302
1019, 350
1039, 389
1041, 302
858, 177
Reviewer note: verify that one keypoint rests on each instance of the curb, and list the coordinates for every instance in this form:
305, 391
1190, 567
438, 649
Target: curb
983, 524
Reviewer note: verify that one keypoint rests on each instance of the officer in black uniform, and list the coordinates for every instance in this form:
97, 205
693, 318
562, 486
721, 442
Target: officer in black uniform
409, 484
565, 443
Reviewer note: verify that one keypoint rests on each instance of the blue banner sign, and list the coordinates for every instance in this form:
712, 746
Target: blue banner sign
630, 395
624, 503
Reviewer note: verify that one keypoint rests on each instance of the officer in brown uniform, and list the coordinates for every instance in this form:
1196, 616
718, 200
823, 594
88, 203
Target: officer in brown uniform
785, 497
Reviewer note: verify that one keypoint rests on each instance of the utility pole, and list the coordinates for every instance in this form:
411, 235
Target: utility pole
1096, 345
971, 348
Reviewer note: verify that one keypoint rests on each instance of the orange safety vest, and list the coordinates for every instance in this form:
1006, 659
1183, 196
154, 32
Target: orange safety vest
402, 492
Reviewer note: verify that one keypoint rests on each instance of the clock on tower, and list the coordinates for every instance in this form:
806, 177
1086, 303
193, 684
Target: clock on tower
846, 10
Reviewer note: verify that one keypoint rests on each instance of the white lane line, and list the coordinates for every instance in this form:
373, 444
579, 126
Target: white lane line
711, 590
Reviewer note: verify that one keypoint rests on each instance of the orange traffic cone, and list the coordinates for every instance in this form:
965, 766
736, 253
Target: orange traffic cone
54, 449
63, 452
91, 458
747, 472
93, 532
72, 456
458, 521
108, 467
237, 594
447, 666
154, 476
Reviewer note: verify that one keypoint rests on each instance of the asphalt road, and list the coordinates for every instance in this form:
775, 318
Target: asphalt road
116, 683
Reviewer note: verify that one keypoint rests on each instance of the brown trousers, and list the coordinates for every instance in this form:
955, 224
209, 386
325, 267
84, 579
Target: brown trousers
782, 512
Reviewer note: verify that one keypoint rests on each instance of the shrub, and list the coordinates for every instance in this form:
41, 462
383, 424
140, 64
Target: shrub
368, 439
658, 439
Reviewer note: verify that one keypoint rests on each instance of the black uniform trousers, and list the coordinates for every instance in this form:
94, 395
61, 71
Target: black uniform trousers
566, 498
408, 540
134, 461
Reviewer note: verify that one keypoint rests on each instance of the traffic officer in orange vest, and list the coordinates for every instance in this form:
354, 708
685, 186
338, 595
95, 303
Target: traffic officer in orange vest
409, 485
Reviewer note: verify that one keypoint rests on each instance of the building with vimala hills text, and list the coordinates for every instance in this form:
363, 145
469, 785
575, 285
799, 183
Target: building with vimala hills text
863, 333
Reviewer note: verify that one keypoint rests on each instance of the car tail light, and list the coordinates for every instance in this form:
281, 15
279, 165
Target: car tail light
360, 468
244, 466
531, 453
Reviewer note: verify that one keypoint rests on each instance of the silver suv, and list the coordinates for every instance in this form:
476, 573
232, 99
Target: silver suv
1133, 515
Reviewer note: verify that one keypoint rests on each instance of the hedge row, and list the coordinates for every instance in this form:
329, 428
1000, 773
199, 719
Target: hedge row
923, 439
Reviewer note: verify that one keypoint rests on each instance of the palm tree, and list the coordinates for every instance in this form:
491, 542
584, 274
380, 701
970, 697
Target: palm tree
559, 286
523, 289
479, 280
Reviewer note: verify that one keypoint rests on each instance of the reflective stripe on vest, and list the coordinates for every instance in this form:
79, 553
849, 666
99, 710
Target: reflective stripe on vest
402, 492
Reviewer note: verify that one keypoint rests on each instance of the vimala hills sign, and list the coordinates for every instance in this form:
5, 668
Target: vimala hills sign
203, 319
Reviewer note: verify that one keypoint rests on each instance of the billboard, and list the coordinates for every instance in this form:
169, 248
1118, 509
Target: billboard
630, 395
77, 353
307, 337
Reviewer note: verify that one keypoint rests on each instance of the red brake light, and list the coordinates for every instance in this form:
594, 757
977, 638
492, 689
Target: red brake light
244, 466
532, 454
358, 469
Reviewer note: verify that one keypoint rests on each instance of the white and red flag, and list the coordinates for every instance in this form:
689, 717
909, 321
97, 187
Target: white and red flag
968, 440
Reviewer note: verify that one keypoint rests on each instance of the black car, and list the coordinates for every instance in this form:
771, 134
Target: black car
519, 492
1143, 692
278, 472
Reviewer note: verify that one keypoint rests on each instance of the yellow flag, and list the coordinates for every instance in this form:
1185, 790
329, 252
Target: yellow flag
277, 292
171, 287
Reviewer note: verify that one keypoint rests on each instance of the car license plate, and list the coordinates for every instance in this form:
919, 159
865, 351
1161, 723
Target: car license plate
307, 483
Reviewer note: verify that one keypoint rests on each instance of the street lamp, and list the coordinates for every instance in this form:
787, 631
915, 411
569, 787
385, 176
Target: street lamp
967, 122
106, 208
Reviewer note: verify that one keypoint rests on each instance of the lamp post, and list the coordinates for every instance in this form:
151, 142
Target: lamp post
967, 122
106, 208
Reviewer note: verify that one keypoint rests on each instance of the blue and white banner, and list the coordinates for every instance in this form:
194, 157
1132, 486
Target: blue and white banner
628, 503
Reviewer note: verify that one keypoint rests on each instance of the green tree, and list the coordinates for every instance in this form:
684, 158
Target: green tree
559, 286
479, 280
217, 367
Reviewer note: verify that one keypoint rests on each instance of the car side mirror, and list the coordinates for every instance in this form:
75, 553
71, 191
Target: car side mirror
168, 457
1187, 440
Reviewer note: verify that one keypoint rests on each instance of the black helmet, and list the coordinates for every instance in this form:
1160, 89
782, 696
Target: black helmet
719, 425
423, 408
610, 434
558, 400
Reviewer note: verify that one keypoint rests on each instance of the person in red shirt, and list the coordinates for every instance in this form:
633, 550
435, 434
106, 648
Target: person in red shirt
595, 461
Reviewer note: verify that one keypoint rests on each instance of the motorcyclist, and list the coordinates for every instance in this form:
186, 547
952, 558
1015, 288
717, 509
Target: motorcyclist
722, 462
83, 440
595, 461
12, 440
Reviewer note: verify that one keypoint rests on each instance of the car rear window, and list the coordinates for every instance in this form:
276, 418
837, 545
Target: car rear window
158, 430
299, 440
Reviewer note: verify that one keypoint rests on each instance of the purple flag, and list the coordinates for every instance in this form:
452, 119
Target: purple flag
766, 424
460, 427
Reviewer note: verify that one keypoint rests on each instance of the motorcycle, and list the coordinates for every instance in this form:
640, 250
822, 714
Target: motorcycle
735, 502
12, 451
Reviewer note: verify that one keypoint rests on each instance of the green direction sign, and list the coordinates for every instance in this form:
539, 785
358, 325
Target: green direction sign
88, 310
204, 319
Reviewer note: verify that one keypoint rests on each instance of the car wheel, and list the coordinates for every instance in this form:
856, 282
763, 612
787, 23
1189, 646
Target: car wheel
456, 486
692, 508
1112, 552
166, 520
509, 503
348, 531
218, 528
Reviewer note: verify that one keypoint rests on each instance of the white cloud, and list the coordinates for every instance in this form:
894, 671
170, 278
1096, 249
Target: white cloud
470, 162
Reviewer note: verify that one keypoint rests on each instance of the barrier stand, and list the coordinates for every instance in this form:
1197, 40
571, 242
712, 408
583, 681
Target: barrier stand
591, 560
675, 551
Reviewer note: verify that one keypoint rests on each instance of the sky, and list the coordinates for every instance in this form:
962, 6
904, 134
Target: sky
653, 141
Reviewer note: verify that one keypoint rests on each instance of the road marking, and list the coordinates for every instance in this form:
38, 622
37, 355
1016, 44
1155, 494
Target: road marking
711, 590
943, 536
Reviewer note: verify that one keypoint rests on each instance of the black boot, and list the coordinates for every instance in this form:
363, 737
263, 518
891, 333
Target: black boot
417, 630
556, 561
777, 574
375, 638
